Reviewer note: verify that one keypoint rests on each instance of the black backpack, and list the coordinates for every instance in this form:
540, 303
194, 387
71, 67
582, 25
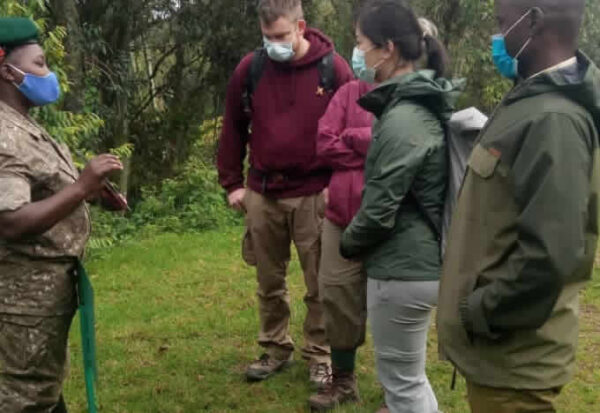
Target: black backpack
327, 76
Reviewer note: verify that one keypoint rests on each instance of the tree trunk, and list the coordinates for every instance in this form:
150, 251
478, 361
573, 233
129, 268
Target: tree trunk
65, 14
450, 19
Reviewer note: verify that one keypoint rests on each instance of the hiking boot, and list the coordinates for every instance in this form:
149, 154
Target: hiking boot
341, 389
319, 374
265, 367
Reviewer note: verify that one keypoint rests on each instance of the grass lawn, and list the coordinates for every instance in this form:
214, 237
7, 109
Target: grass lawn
177, 322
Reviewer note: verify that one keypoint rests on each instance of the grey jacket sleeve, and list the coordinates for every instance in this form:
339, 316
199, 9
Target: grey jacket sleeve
551, 176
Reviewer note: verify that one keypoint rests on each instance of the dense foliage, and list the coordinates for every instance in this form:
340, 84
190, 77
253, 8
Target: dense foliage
146, 80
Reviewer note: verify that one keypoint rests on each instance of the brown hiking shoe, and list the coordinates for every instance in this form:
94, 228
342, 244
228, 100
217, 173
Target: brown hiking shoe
265, 367
340, 390
319, 374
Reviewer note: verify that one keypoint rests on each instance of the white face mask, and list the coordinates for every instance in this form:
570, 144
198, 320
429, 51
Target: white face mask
280, 52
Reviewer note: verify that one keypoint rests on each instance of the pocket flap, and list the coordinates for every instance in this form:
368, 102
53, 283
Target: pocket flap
482, 162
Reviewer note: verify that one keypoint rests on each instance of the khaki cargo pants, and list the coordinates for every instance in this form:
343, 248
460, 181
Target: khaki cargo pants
491, 400
272, 225
33, 363
343, 288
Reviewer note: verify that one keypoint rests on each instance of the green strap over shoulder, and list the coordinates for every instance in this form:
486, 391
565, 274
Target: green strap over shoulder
85, 293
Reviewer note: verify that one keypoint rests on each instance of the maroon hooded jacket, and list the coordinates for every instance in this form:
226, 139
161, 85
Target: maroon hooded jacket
343, 143
286, 107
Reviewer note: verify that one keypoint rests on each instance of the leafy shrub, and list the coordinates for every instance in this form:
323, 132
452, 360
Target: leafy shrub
192, 201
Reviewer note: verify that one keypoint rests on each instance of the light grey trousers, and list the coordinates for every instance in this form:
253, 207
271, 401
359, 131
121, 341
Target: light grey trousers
399, 313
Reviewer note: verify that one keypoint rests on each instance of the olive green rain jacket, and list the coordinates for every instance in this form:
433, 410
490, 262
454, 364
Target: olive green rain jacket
523, 236
407, 161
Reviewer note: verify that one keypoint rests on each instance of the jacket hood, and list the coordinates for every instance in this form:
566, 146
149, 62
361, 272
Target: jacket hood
579, 83
320, 46
438, 95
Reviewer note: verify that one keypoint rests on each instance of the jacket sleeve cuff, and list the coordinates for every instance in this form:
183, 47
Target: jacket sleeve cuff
357, 139
346, 250
473, 317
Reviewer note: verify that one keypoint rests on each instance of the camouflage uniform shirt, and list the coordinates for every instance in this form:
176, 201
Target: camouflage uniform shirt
36, 272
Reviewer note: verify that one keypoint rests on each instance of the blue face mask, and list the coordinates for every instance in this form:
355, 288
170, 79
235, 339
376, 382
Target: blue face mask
507, 65
280, 52
40, 90
359, 65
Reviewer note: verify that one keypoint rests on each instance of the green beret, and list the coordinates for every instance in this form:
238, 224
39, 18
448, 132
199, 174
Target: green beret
17, 31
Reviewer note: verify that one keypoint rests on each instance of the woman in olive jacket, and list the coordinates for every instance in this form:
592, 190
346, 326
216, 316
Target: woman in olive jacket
394, 232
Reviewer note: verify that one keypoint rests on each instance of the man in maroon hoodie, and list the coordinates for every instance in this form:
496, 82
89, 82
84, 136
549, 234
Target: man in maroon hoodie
284, 196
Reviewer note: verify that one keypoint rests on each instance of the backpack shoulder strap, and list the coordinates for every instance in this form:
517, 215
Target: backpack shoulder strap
257, 66
328, 78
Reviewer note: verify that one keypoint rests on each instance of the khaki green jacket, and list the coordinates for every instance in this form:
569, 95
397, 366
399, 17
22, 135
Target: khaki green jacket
524, 234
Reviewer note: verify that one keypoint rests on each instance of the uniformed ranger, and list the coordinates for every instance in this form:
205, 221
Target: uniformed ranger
525, 230
44, 226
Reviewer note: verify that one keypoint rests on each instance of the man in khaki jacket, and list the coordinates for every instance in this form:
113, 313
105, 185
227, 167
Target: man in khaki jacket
524, 234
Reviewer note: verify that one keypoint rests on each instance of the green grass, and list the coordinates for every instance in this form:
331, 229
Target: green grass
177, 322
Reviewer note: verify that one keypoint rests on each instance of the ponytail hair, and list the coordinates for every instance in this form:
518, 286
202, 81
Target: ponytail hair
436, 54
382, 21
